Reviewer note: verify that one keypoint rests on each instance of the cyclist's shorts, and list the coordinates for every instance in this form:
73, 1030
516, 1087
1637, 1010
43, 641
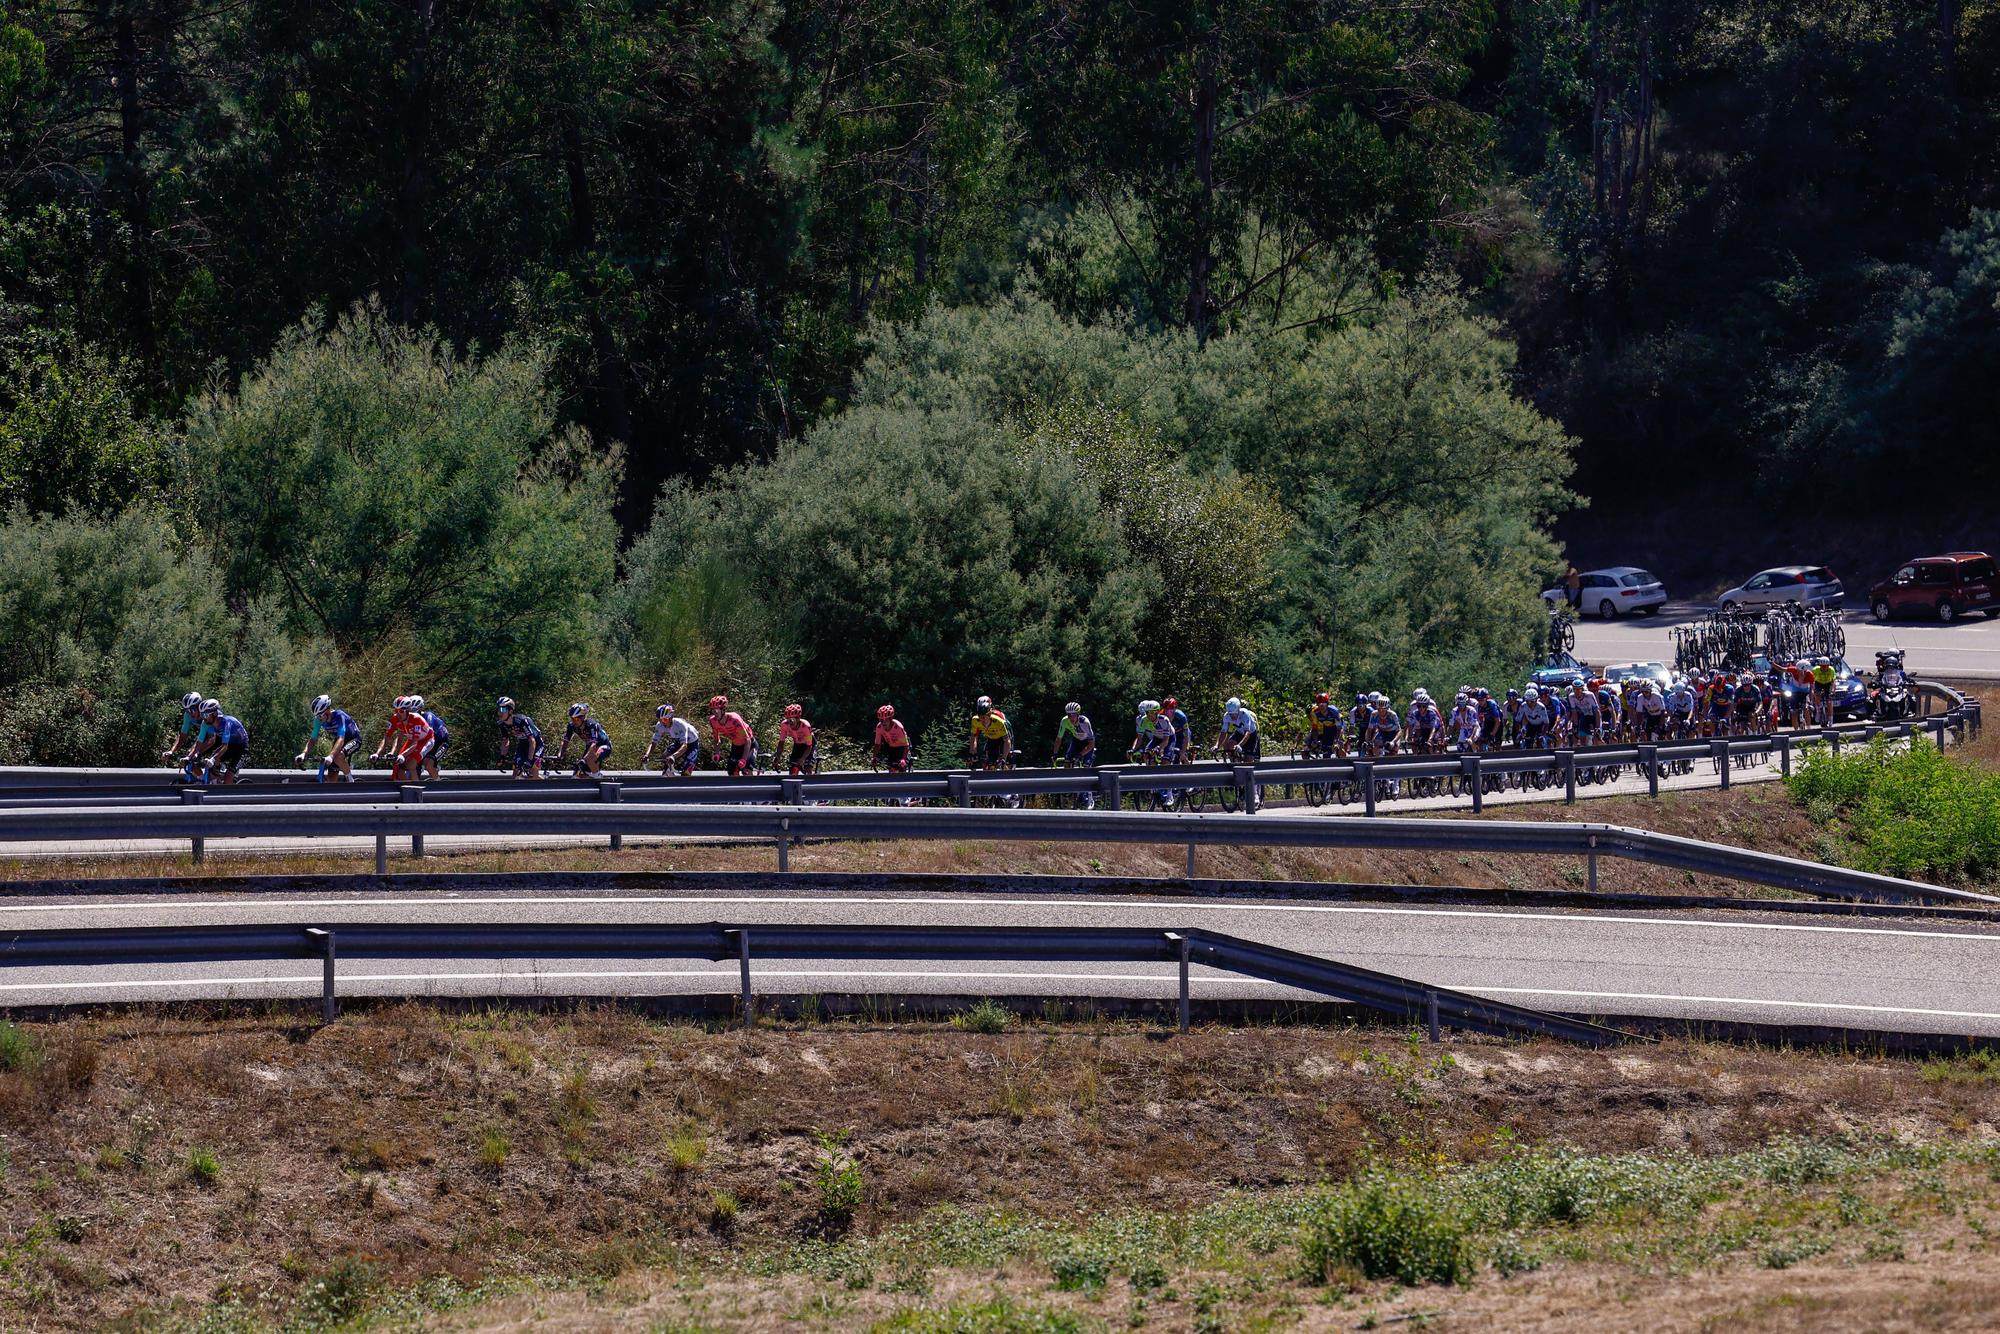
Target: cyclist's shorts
527, 751
348, 745
992, 750
689, 762
739, 756
1072, 749
1252, 746
899, 756
439, 745
230, 758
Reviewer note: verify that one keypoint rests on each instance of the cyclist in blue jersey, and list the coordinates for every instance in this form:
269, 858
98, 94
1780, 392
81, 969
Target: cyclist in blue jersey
1239, 734
521, 745
1152, 734
220, 745
343, 738
190, 725
1183, 730
1076, 739
591, 736
432, 753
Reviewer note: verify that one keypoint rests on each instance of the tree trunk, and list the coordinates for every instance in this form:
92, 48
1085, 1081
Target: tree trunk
1201, 301
135, 195
413, 184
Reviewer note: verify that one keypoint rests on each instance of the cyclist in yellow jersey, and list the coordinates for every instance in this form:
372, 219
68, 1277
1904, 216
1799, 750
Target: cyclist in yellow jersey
1823, 676
992, 743
1327, 731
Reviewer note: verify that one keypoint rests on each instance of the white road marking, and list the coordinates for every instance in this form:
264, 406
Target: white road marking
321, 906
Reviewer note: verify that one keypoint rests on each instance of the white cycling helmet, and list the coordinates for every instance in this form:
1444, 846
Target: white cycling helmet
209, 706
1072, 709
321, 705
1531, 693
416, 703
578, 710
664, 712
1149, 706
983, 702
191, 701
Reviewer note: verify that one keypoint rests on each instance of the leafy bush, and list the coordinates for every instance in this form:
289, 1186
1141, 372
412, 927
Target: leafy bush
203, 1168
988, 1016
1389, 1227
1912, 809
18, 1048
74, 436
836, 1184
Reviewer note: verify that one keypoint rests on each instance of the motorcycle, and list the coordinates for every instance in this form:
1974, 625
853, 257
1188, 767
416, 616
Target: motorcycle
1892, 688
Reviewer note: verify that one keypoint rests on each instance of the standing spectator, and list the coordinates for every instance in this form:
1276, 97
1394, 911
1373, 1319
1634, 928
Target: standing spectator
1573, 585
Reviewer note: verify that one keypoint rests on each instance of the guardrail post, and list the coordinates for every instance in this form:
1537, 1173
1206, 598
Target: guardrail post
784, 844
1937, 731
1190, 864
961, 790
325, 941
743, 972
412, 794
1476, 781
191, 796
1108, 779
381, 854
612, 791
1719, 752
1180, 941
1364, 774
1568, 760
1649, 760
791, 791
1785, 754
1431, 1013
1832, 738
1246, 785
1591, 859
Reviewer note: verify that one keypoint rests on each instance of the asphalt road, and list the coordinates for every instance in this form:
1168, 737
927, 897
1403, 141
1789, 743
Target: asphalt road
1967, 650
1728, 966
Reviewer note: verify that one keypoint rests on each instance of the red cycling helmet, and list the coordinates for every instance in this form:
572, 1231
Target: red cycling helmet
717, 703
1322, 697
886, 712
1170, 703
795, 710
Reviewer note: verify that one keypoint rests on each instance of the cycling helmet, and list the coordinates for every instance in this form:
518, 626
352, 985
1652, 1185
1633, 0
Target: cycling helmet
402, 704
209, 706
579, 710
1170, 703
886, 712
983, 703
319, 705
416, 703
1461, 698
1234, 705
505, 704
664, 712
1513, 694
795, 710
1533, 693
1149, 706
1483, 693
1377, 697
190, 701
717, 703
1361, 698
1072, 709
1323, 697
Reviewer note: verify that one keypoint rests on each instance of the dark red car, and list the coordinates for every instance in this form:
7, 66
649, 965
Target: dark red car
1946, 587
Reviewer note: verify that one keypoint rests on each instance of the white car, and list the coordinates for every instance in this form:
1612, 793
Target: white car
1622, 590
1809, 585
1618, 673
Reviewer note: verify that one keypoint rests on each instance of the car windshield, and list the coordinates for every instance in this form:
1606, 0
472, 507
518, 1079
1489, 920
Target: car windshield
1819, 574
1638, 579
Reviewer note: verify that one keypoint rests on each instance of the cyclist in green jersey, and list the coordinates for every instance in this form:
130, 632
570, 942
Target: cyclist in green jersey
1076, 739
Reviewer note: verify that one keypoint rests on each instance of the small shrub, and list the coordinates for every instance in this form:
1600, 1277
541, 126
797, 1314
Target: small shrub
989, 1016
837, 1184
337, 1296
203, 1168
493, 1148
18, 1048
1388, 1227
1080, 1268
1981, 1065
722, 1210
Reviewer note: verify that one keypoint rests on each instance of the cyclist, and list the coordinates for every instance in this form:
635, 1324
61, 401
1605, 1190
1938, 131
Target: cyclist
1326, 733
1583, 709
1824, 675
1238, 734
1533, 724
679, 736
1510, 714
227, 740
404, 742
796, 747
735, 742
1076, 740
432, 759
1464, 723
893, 737
1183, 730
1426, 724
1152, 734
521, 743
1721, 694
1383, 725
190, 725
992, 744
1357, 724
1680, 707
343, 739
590, 734
1492, 718
1748, 704
1649, 714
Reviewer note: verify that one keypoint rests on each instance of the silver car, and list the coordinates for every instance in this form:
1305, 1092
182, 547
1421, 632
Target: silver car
1811, 585
1621, 590
1618, 673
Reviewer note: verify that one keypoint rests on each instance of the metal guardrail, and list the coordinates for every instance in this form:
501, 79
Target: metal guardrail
44, 788
783, 826
1397, 999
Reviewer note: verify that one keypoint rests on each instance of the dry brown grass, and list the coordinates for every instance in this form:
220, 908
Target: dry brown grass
433, 1143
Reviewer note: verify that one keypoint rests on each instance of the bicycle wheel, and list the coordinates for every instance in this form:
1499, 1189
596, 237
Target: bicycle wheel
1228, 797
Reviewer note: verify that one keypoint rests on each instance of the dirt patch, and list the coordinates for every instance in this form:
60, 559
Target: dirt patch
164, 1160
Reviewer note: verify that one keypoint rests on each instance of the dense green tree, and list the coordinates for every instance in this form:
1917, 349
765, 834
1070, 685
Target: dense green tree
73, 434
385, 486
